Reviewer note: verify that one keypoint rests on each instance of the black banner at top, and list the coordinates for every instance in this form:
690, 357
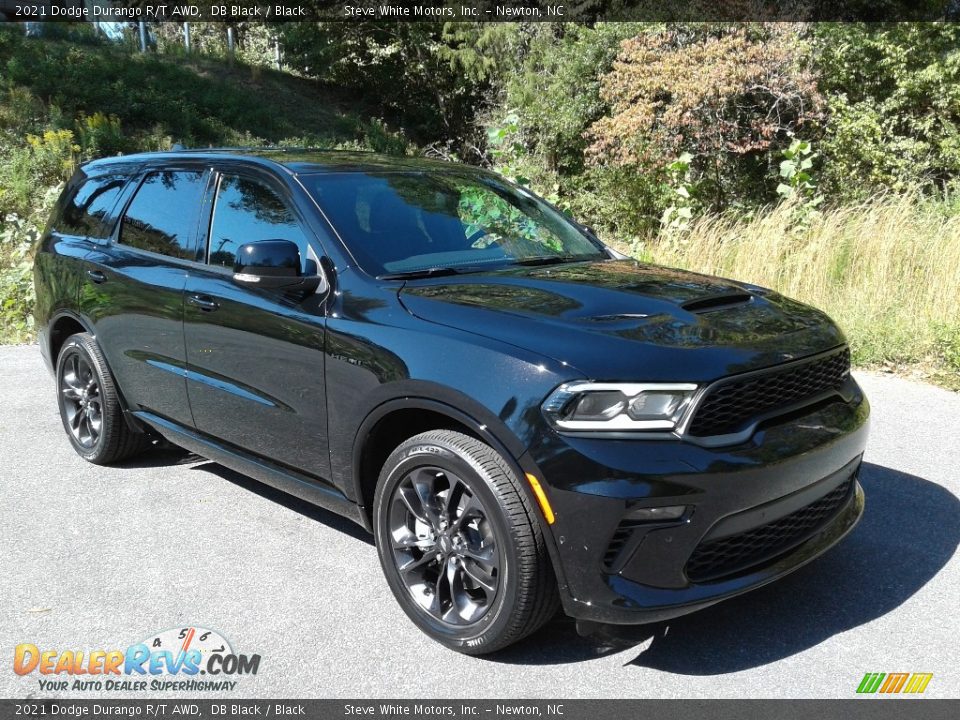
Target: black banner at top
234, 11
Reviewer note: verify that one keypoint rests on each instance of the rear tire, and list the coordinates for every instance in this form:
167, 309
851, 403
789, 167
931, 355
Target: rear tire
90, 406
460, 544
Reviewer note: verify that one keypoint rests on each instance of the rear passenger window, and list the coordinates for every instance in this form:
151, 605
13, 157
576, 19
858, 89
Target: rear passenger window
163, 214
88, 208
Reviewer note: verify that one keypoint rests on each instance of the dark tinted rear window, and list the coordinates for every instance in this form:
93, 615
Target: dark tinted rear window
88, 208
163, 214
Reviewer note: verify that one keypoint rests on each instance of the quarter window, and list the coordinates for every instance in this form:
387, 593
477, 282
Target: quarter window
84, 214
246, 211
162, 216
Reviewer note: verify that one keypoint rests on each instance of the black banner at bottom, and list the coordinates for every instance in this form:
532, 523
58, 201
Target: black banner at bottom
855, 709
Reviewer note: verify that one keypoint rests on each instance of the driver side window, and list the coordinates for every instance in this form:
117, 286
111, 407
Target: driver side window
247, 210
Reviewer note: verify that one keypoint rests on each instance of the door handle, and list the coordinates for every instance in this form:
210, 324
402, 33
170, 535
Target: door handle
204, 302
96, 276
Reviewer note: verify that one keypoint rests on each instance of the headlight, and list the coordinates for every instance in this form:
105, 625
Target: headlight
618, 407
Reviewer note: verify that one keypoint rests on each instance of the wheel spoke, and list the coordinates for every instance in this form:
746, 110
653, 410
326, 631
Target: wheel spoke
472, 509
452, 500
487, 556
423, 561
475, 572
423, 485
411, 499
439, 597
413, 543
457, 600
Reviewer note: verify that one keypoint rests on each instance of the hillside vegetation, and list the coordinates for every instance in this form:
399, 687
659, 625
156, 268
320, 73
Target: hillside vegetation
63, 101
821, 160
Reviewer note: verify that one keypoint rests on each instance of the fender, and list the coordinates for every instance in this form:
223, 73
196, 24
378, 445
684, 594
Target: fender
491, 430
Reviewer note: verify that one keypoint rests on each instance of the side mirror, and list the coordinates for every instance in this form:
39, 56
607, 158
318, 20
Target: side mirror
273, 264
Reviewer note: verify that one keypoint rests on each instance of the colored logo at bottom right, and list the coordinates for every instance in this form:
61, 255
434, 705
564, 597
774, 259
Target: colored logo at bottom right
894, 683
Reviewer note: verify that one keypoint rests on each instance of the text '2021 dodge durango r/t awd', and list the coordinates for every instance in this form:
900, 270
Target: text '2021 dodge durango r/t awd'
523, 418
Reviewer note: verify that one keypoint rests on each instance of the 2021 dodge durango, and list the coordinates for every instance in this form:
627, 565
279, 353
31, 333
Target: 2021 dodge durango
523, 418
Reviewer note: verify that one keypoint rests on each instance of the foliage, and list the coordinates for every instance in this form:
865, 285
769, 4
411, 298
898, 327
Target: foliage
100, 135
679, 214
53, 155
17, 239
894, 105
747, 150
409, 67
158, 100
554, 90
796, 171
727, 96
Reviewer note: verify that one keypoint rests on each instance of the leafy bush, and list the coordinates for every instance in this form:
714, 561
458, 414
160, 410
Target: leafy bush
728, 97
17, 239
100, 135
894, 105
53, 156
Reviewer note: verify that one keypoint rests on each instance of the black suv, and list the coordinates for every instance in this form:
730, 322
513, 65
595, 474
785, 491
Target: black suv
522, 417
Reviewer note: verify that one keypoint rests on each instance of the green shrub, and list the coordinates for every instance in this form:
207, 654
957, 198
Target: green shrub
17, 239
100, 135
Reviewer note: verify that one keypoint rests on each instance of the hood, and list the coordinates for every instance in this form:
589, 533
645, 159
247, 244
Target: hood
625, 320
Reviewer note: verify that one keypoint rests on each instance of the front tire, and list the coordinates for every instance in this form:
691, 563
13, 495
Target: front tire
90, 404
460, 544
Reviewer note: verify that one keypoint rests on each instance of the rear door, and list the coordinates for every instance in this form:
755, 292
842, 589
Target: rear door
255, 357
134, 292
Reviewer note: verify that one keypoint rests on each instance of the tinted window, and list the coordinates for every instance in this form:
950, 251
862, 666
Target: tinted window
87, 209
399, 222
247, 211
163, 214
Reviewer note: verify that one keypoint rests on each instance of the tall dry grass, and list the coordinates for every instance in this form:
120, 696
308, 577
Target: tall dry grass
888, 271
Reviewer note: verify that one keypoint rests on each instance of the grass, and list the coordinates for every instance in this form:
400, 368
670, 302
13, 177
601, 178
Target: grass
161, 99
888, 271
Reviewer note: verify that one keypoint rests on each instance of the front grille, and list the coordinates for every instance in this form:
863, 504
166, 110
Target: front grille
730, 404
718, 558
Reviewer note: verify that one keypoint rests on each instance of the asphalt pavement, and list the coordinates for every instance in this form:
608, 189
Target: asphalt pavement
100, 558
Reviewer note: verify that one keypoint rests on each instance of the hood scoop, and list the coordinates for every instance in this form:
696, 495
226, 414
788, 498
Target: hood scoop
712, 303
615, 317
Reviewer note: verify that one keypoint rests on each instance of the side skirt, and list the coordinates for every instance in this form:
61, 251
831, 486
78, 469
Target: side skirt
257, 468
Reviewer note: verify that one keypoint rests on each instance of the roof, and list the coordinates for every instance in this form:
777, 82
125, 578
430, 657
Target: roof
298, 161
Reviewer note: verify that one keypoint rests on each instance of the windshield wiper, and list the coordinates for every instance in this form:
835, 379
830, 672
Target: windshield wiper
425, 272
545, 260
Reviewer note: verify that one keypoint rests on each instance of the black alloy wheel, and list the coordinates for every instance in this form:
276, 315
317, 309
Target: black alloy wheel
82, 403
444, 546
460, 543
90, 406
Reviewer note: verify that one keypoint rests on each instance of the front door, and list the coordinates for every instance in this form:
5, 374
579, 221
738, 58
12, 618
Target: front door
255, 357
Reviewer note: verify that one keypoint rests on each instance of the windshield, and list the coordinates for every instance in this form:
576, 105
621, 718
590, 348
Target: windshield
400, 223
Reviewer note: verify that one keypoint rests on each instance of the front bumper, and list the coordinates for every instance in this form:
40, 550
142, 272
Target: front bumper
757, 511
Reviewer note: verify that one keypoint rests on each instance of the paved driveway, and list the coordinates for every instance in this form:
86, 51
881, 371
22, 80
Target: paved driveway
101, 558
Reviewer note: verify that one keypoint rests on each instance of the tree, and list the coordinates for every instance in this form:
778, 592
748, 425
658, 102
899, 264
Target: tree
728, 96
894, 101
